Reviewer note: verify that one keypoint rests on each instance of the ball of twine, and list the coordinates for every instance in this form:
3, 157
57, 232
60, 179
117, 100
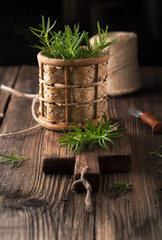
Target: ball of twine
123, 71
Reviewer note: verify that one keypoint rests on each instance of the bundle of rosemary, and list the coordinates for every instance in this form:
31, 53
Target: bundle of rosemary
76, 139
70, 44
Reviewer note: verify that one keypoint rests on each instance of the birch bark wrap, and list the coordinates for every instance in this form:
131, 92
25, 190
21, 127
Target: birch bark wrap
85, 90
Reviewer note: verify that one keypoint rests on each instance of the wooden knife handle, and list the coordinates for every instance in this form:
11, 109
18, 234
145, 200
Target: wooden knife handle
152, 122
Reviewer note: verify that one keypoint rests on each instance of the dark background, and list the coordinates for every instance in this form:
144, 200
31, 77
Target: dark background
143, 17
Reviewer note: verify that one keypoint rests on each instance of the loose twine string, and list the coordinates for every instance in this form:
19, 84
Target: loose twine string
88, 199
35, 97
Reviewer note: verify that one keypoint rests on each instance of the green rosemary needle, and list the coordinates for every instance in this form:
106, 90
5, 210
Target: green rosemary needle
157, 152
12, 159
121, 187
76, 139
68, 44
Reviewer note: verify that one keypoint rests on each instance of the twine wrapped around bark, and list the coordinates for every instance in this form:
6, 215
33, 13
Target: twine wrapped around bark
123, 65
83, 95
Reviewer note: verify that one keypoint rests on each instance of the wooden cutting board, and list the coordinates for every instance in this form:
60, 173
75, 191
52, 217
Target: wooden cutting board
57, 159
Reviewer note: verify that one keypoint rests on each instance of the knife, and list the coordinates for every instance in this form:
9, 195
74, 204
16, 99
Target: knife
146, 118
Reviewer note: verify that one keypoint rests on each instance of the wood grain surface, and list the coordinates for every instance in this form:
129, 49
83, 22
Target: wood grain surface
35, 207
56, 159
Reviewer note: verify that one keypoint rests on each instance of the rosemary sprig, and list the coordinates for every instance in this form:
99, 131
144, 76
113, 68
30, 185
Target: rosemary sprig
157, 152
12, 159
76, 138
121, 187
68, 45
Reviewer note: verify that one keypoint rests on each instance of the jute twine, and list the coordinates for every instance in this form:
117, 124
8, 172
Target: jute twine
35, 97
123, 71
88, 200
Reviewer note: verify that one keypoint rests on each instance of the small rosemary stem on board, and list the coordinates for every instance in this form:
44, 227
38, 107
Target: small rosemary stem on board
121, 187
157, 152
12, 159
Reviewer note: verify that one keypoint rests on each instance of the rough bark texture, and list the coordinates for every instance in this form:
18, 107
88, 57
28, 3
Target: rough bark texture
81, 93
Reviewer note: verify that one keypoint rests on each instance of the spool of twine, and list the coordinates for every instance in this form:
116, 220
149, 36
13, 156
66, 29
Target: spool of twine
123, 71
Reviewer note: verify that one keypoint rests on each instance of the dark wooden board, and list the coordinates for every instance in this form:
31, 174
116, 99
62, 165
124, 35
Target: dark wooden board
36, 206
8, 77
56, 159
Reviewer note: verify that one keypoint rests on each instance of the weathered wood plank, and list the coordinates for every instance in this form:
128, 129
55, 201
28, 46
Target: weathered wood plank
136, 215
118, 159
38, 204
35, 206
57, 159
90, 160
18, 190
8, 77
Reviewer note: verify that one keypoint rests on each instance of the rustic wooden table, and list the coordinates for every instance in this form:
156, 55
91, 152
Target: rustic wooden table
34, 206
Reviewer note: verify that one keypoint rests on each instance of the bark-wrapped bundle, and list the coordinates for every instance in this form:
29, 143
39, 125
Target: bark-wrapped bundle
72, 91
